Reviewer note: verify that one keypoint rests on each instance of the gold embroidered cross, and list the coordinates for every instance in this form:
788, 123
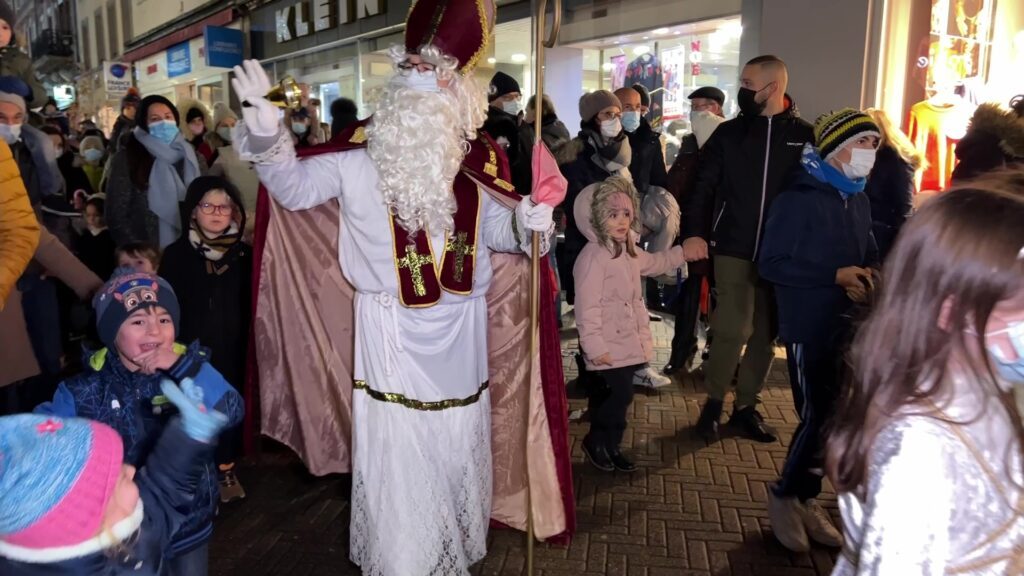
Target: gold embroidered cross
458, 247
415, 263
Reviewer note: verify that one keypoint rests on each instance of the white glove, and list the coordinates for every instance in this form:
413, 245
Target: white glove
535, 217
251, 85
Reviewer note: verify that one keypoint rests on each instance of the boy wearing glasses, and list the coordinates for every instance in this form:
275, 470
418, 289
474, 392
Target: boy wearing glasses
210, 269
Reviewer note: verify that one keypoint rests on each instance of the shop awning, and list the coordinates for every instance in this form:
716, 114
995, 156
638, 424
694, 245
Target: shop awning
221, 18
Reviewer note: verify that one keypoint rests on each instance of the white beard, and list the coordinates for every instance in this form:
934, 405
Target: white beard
418, 141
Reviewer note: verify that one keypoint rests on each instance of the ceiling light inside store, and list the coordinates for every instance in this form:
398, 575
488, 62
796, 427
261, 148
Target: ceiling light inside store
640, 50
660, 31
517, 58
647, 37
732, 29
492, 60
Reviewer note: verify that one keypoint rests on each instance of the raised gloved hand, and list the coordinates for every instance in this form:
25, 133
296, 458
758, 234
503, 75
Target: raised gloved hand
251, 85
200, 423
535, 217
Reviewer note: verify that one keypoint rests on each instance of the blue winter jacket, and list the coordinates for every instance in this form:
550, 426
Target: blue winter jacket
167, 485
812, 231
131, 403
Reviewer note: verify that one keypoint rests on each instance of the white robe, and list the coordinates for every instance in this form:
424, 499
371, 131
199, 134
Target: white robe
421, 479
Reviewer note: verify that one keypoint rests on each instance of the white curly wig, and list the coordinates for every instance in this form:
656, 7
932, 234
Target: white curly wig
418, 141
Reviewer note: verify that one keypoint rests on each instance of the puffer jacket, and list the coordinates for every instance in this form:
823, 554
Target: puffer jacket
166, 485
610, 311
743, 167
130, 403
19, 229
580, 170
812, 232
14, 62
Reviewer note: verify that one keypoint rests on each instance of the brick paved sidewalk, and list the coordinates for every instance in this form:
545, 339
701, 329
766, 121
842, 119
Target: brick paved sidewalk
689, 509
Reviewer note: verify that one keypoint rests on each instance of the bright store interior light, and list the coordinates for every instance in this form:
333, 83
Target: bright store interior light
492, 60
660, 31
640, 50
517, 58
607, 66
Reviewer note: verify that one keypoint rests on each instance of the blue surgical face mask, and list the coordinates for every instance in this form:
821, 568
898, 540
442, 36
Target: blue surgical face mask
630, 121
299, 128
92, 155
422, 81
164, 130
1009, 370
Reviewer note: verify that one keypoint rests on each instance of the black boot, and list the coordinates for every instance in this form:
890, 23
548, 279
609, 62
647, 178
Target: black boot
597, 455
751, 423
621, 463
707, 424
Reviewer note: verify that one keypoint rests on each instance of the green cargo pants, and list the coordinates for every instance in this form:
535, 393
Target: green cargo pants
744, 315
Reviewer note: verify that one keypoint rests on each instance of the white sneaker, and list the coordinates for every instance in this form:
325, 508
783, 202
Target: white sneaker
650, 378
819, 525
787, 519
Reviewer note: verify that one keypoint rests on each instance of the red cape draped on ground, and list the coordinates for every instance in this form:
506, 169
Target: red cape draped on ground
322, 419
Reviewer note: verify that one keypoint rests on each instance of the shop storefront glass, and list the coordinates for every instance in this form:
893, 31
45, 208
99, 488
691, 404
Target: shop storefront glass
940, 60
698, 45
671, 62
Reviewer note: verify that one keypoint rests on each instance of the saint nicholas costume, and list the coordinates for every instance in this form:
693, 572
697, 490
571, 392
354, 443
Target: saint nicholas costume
404, 357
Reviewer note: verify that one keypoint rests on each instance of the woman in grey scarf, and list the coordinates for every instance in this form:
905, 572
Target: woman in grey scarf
149, 176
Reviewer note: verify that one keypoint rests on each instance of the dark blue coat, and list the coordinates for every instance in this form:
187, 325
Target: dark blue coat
166, 485
891, 192
812, 232
108, 392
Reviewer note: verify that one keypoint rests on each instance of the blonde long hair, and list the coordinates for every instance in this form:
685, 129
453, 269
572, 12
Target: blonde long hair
894, 137
599, 210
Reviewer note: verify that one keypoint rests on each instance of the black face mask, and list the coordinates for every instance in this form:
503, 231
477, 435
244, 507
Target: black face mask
749, 106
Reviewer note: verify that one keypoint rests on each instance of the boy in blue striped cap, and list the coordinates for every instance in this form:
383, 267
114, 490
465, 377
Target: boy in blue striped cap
137, 316
818, 251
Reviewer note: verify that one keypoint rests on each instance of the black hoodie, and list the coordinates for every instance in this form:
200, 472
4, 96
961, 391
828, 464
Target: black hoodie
215, 296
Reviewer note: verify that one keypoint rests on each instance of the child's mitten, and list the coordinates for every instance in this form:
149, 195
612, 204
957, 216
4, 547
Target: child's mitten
200, 423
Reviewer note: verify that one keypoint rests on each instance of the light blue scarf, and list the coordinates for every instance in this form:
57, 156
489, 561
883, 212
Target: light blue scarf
824, 172
166, 186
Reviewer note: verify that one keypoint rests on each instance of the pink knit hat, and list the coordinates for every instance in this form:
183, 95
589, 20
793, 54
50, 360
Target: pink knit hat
56, 478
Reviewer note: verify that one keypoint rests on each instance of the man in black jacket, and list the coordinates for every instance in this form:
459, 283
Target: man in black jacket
743, 167
648, 165
504, 125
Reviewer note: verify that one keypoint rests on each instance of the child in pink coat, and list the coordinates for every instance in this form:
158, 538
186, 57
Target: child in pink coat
615, 333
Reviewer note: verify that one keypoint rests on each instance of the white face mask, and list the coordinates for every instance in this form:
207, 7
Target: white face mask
511, 107
11, 133
703, 124
861, 162
611, 128
422, 81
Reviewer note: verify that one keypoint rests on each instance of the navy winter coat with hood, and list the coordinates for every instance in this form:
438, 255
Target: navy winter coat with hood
129, 402
167, 484
811, 232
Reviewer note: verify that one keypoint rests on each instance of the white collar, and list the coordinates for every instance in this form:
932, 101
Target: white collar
108, 538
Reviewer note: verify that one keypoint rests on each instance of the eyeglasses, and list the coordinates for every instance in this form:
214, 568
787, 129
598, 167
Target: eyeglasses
223, 209
406, 67
609, 115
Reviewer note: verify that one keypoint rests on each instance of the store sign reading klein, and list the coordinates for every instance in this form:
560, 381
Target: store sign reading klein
309, 16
